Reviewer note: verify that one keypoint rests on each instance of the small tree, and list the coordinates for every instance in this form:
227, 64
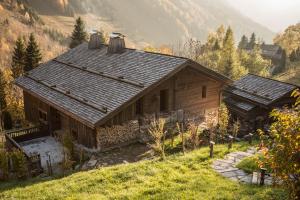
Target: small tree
79, 35
156, 130
223, 120
282, 154
33, 56
181, 132
18, 58
236, 128
193, 129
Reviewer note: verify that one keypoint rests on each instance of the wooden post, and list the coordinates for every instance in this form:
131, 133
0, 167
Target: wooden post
262, 176
250, 138
211, 147
230, 141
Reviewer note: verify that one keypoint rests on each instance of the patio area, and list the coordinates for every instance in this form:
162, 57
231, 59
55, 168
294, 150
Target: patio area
47, 147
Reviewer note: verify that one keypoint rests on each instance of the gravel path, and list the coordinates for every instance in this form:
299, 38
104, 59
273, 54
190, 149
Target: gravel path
226, 167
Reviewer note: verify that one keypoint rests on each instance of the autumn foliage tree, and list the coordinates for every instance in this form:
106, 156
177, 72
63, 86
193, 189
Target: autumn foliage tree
223, 120
283, 149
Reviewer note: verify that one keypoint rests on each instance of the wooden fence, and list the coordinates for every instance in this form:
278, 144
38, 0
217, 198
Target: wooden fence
25, 134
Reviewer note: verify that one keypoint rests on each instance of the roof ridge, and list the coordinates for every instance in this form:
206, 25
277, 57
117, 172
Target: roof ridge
157, 53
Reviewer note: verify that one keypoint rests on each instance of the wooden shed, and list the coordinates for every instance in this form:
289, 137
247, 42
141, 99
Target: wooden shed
252, 98
87, 90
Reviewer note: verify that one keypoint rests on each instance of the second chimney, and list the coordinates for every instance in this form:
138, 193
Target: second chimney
116, 43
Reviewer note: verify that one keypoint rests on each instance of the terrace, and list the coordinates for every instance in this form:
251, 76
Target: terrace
39, 148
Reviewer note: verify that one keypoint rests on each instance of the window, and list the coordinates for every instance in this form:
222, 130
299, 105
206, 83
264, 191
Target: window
164, 100
139, 107
43, 116
204, 91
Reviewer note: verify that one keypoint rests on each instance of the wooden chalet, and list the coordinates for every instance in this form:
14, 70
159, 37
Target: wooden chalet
252, 98
94, 87
275, 53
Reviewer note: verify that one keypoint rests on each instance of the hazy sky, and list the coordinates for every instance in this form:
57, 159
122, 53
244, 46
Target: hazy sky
275, 14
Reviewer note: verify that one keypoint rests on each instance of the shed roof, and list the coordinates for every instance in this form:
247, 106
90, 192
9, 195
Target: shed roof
90, 84
259, 89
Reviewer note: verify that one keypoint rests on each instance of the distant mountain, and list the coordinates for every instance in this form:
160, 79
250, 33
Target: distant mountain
160, 21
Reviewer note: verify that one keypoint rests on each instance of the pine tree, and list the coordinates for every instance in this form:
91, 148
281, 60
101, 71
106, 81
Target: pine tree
18, 58
243, 43
252, 42
33, 55
229, 56
79, 35
216, 46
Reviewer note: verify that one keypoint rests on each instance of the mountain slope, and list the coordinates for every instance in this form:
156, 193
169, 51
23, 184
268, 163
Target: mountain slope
160, 21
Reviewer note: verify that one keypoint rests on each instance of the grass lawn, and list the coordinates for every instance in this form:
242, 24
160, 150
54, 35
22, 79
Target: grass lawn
186, 176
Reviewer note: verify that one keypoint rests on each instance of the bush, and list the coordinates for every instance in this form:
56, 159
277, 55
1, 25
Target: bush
282, 150
4, 160
158, 133
20, 164
253, 164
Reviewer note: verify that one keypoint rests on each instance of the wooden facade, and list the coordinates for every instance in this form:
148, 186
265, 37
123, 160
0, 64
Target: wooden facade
39, 112
188, 90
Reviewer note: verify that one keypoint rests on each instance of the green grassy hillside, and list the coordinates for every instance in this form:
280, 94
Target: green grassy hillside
186, 176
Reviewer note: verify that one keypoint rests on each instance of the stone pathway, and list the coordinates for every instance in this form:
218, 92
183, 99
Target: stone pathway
226, 167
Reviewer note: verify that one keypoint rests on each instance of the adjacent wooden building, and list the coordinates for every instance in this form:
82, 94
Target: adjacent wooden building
252, 98
95, 91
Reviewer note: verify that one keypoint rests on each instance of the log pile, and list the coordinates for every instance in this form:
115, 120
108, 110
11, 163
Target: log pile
118, 134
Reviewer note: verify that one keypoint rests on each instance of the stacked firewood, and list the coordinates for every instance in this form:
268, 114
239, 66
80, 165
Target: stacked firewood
118, 134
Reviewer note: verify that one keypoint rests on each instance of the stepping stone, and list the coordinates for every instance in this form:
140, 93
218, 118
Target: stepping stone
229, 174
231, 169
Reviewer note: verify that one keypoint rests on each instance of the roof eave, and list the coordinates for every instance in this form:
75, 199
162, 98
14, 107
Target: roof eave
87, 123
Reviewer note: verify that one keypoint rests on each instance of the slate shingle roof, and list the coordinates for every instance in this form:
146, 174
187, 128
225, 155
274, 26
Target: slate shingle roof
90, 84
240, 104
259, 89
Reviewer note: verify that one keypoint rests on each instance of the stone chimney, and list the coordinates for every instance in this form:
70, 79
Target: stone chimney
116, 43
96, 40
